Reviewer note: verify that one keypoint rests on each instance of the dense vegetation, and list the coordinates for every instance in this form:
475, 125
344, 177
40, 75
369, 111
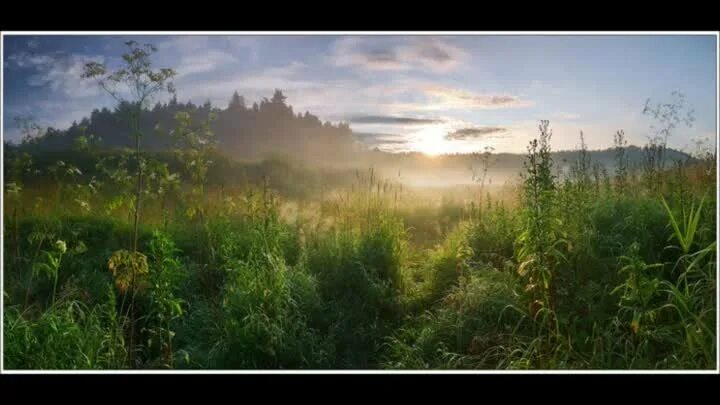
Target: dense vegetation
185, 259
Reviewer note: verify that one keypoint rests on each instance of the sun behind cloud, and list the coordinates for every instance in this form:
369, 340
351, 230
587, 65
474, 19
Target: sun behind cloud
434, 141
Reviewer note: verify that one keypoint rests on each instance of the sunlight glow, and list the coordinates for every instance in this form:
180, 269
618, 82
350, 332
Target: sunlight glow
431, 141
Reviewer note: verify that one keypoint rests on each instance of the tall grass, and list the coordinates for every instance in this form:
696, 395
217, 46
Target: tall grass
586, 271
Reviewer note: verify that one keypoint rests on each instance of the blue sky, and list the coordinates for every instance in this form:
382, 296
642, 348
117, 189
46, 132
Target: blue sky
433, 94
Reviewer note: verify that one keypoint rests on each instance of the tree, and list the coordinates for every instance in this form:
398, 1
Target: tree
278, 97
237, 102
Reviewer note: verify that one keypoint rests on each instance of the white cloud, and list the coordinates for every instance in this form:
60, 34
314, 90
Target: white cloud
64, 75
220, 49
29, 60
444, 98
59, 71
258, 84
203, 62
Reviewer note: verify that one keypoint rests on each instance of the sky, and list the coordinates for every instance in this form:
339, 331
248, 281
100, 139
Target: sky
432, 94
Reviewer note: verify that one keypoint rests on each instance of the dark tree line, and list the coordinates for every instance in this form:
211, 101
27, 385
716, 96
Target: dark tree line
270, 126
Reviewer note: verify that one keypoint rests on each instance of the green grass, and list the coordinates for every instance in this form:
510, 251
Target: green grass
589, 278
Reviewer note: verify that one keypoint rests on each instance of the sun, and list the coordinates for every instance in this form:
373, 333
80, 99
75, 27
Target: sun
431, 141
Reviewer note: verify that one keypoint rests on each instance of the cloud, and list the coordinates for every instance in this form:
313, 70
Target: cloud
386, 119
380, 138
474, 133
196, 54
29, 60
61, 72
33, 43
442, 97
251, 85
420, 95
383, 141
200, 45
284, 71
425, 53
203, 62
65, 75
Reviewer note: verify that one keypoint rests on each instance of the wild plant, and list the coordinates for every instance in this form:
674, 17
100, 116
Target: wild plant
479, 175
685, 227
580, 170
621, 163
19, 165
194, 148
165, 307
129, 270
138, 79
667, 117
63, 173
50, 266
639, 290
538, 245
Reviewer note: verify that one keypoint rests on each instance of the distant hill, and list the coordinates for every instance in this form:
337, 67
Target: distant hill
420, 169
634, 155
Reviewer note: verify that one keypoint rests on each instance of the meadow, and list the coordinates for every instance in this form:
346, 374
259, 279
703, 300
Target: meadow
284, 270
165, 250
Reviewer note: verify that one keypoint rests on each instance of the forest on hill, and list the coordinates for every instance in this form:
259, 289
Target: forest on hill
243, 132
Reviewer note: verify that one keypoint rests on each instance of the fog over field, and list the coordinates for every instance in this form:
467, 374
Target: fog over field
359, 202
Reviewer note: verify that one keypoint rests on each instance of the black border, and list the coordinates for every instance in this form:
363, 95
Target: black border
85, 16
357, 16
354, 388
